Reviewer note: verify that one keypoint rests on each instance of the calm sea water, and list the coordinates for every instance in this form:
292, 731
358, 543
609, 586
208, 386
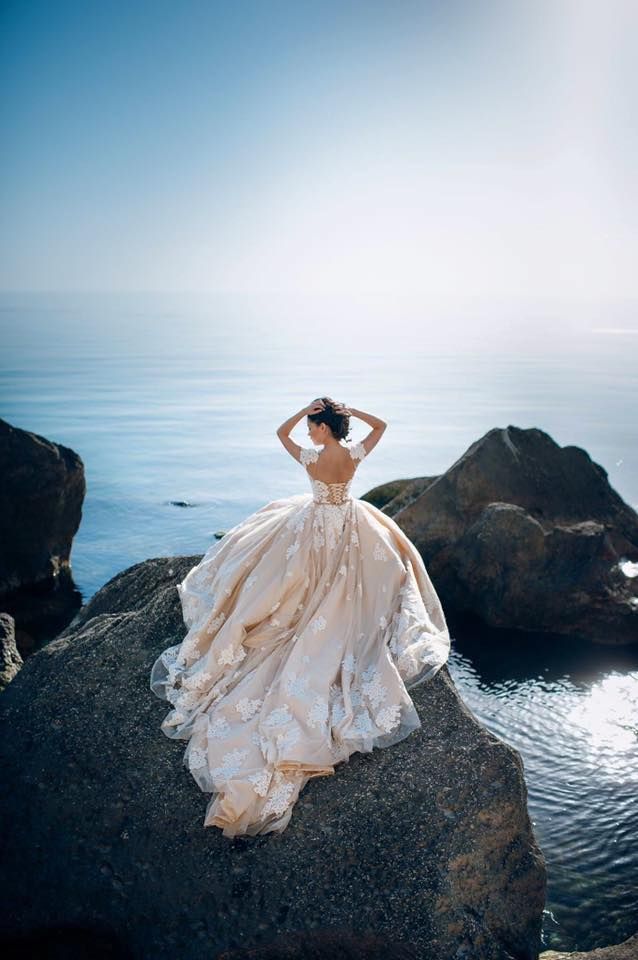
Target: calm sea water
178, 397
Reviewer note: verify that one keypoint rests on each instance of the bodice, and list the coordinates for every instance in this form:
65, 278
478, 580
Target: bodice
335, 493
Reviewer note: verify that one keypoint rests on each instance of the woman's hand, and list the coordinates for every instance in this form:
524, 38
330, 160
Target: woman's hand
342, 410
315, 407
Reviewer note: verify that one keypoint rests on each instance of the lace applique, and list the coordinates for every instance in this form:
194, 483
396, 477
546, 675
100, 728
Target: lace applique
308, 455
230, 765
199, 681
318, 624
296, 686
197, 757
280, 795
318, 713
227, 656
357, 451
373, 689
362, 723
278, 716
248, 708
318, 539
388, 718
250, 580
292, 549
289, 737
348, 664
261, 782
379, 553
218, 728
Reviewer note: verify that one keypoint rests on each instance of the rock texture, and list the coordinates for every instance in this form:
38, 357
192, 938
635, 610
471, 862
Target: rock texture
41, 499
10, 659
427, 842
627, 950
526, 535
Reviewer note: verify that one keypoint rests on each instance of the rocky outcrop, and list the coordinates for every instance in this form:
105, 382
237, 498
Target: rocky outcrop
10, 659
526, 535
41, 498
627, 950
427, 842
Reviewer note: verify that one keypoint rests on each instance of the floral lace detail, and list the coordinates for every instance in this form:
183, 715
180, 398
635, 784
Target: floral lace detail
218, 727
227, 657
319, 623
261, 782
280, 795
199, 681
372, 688
362, 723
197, 758
247, 708
318, 713
292, 549
296, 685
308, 455
230, 765
250, 581
348, 664
388, 718
289, 737
357, 451
278, 716
379, 553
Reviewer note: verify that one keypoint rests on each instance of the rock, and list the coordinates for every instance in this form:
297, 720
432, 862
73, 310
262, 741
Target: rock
40, 511
391, 497
10, 659
40, 507
627, 950
427, 842
528, 535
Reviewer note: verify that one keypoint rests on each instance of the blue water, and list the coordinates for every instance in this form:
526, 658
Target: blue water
178, 397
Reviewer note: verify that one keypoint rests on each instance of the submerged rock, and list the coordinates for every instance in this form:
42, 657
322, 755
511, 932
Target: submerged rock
526, 535
427, 842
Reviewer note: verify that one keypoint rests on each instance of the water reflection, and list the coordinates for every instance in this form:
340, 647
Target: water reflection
572, 712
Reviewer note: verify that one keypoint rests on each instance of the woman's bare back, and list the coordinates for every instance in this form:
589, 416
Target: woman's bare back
334, 465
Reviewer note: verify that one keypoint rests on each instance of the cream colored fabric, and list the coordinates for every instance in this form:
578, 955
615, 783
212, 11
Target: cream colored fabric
307, 624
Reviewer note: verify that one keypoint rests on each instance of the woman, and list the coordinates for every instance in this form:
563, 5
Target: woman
307, 624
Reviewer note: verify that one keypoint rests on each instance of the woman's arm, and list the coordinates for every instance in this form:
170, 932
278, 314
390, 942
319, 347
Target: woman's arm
378, 426
315, 407
374, 422
282, 432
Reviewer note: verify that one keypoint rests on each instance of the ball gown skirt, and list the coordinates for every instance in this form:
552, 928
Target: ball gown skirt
308, 622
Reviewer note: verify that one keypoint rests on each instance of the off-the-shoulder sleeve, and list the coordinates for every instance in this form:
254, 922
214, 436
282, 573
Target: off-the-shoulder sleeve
308, 455
357, 451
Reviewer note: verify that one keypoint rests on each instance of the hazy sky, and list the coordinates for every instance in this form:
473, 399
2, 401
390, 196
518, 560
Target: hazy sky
435, 148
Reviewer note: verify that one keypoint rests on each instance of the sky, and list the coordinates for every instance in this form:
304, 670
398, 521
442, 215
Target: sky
429, 149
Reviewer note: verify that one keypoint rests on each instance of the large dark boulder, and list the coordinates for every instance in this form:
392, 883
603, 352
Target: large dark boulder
427, 842
41, 498
528, 535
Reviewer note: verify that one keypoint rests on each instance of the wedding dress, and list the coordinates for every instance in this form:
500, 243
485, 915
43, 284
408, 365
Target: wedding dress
308, 622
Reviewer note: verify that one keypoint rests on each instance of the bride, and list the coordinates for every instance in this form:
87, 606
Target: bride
308, 622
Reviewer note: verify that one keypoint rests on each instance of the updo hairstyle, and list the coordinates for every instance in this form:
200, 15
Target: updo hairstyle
339, 423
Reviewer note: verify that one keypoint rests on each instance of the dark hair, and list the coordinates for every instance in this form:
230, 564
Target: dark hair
339, 423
